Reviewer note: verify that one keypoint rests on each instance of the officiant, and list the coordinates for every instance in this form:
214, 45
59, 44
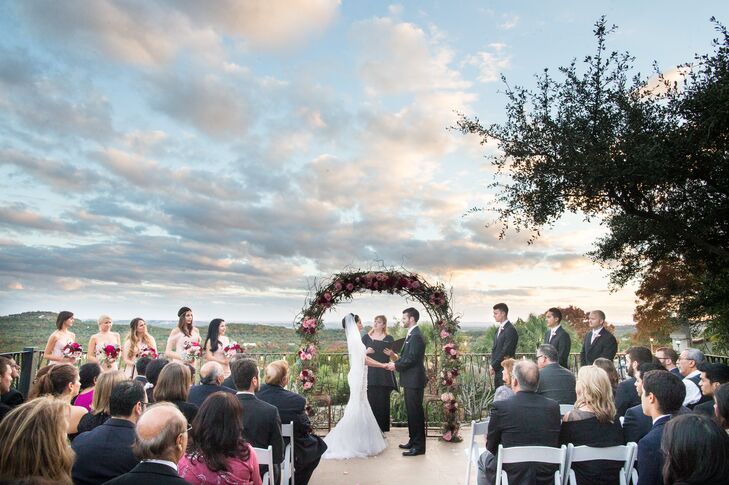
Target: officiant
380, 382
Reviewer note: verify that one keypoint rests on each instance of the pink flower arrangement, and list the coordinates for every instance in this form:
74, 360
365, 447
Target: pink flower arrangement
444, 334
350, 287
338, 286
72, 350
150, 352
450, 350
231, 349
307, 379
307, 353
192, 351
309, 325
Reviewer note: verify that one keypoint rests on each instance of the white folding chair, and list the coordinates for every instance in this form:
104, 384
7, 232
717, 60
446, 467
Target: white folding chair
631, 473
565, 408
474, 451
530, 454
622, 453
265, 457
287, 467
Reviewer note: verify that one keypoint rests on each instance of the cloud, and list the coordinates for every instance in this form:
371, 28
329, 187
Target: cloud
19, 216
60, 175
491, 63
509, 21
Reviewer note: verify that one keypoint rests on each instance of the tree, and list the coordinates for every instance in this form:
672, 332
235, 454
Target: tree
651, 163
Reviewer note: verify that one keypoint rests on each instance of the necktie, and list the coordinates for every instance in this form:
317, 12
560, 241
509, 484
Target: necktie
553, 335
594, 336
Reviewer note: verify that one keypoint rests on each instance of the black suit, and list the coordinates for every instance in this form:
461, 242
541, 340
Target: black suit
558, 383
104, 452
527, 419
149, 474
504, 346
605, 346
200, 392
650, 457
413, 380
262, 427
308, 446
636, 424
562, 342
706, 408
12, 398
626, 396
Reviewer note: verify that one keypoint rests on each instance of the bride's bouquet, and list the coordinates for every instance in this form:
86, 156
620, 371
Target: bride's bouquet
192, 351
108, 354
307, 379
231, 349
72, 350
307, 353
150, 352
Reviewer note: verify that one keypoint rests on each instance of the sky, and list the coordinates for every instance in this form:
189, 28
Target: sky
228, 155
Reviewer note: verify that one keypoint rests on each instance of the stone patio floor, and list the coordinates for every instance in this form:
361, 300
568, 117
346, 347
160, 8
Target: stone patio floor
443, 463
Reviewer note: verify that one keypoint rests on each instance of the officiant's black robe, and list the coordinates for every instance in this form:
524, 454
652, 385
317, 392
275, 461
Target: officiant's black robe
380, 383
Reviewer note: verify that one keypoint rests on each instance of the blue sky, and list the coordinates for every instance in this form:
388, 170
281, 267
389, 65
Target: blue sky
222, 155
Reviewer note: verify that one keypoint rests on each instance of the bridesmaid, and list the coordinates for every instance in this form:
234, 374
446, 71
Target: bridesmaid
215, 342
98, 341
137, 340
380, 382
184, 333
58, 340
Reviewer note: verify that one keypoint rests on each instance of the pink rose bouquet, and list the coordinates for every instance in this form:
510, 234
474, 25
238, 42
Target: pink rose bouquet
231, 349
192, 351
72, 350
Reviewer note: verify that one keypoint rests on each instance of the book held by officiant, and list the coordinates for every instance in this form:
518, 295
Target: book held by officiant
395, 346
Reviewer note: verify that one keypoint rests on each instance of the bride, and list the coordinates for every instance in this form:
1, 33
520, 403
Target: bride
357, 434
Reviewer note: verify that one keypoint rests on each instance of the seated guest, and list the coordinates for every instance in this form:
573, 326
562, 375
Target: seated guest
88, 373
33, 442
688, 364
668, 358
173, 385
527, 419
106, 451
308, 446
555, 382
609, 367
636, 424
12, 397
153, 370
593, 422
505, 391
721, 406
211, 380
261, 421
662, 396
160, 440
712, 376
6, 380
60, 381
626, 395
217, 451
100, 405
696, 451
229, 382
141, 367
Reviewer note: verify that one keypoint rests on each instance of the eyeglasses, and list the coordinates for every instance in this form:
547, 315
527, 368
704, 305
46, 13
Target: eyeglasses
540, 356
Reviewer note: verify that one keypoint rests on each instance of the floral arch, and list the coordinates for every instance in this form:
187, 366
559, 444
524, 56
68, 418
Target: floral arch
342, 287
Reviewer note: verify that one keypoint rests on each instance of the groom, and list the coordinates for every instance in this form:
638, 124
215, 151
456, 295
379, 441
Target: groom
413, 379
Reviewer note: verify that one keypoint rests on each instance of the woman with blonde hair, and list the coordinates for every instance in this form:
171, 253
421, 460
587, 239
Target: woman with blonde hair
173, 385
33, 442
137, 343
62, 382
100, 404
593, 422
98, 343
380, 381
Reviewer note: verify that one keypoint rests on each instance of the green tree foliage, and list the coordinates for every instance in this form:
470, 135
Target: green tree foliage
650, 161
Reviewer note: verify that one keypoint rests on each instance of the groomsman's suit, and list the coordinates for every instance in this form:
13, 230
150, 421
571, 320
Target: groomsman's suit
561, 341
413, 379
504, 346
604, 345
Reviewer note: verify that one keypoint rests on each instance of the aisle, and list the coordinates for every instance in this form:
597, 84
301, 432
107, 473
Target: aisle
444, 463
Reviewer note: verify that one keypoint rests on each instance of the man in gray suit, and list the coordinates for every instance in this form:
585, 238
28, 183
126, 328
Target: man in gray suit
555, 382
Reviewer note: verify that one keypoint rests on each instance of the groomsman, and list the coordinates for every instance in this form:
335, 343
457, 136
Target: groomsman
558, 337
504, 343
599, 342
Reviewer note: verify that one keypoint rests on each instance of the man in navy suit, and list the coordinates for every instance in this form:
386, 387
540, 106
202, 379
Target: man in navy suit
626, 395
712, 376
211, 381
105, 452
599, 342
663, 394
505, 342
558, 337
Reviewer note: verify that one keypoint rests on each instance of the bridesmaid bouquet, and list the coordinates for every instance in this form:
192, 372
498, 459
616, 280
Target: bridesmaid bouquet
231, 349
192, 351
109, 353
72, 350
150, 352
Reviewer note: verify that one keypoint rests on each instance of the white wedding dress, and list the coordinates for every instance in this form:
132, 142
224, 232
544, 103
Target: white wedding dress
357, 434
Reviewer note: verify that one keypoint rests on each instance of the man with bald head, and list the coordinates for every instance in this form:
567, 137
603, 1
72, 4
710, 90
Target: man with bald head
526, 419
211, 381
160, 441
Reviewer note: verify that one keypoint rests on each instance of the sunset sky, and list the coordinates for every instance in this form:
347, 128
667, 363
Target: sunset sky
222, 155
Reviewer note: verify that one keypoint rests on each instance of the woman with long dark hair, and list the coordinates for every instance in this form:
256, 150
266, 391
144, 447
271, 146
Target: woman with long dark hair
173, 385
138, 342
62, 382
59, 339
696, 450
88, 373
182, 337
215, 342
217, 451
721, 406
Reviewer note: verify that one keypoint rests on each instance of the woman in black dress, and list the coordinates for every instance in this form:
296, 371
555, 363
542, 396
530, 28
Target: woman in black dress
380, 382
